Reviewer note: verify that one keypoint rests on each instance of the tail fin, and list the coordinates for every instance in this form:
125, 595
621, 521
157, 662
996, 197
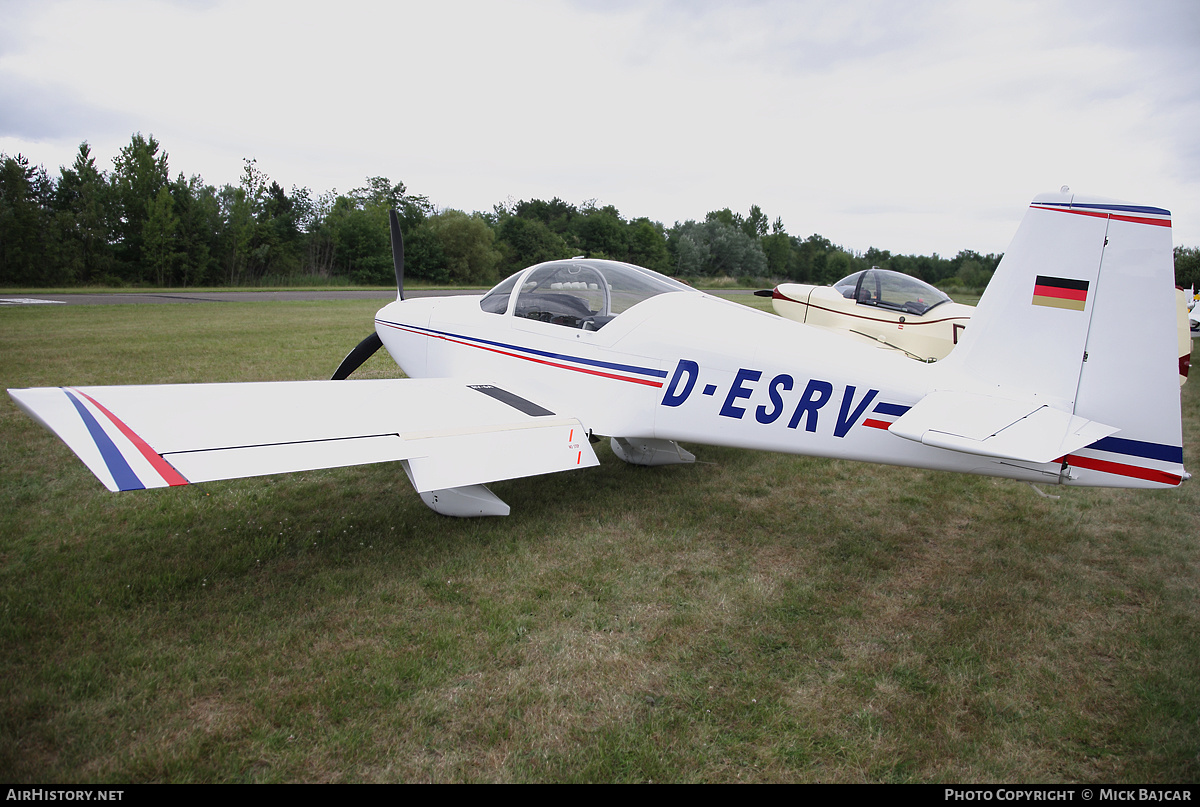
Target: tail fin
1081, 315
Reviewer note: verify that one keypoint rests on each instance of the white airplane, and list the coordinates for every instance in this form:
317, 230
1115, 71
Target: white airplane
1067, 375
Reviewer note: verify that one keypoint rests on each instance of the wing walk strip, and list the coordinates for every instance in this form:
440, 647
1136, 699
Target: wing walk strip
518, 352
123, 474
1111, 445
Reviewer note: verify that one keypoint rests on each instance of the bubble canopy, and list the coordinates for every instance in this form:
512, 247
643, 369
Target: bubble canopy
887, 289
577, 293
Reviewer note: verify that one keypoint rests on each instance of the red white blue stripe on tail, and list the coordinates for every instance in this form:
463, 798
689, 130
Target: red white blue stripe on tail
1137, 214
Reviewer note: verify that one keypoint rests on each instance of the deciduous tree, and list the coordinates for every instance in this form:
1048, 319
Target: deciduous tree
467, 245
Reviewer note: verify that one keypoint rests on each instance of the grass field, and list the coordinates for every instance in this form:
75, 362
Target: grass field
753, 617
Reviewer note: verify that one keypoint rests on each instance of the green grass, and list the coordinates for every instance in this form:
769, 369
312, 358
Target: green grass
754, 617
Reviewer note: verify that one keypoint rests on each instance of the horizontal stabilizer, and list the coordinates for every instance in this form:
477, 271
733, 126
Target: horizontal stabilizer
453, 434
997, 427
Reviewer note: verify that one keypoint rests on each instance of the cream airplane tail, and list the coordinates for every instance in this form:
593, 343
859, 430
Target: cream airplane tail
1080, 319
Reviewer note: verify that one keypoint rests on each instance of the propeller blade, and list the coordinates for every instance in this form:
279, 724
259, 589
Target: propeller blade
765, 293
354, 359
397, 252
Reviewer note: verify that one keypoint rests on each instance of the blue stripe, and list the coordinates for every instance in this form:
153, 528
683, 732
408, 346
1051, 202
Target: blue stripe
1137, 448
891, 409
1153, 211
626, 368
123, 475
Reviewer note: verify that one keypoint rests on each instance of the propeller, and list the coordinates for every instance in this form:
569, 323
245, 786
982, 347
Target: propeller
397, 252
367, 347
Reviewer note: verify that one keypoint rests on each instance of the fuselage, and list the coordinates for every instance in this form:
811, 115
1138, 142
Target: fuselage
690, 367
633, 354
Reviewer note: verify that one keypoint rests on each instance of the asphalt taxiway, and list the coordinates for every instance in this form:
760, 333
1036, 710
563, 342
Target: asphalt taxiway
118, 298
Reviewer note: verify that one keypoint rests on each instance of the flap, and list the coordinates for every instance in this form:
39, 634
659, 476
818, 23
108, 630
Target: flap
997, 427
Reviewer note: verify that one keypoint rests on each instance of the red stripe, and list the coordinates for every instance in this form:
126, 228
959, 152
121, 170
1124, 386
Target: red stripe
889, 321
876, 424
655, 384
1117, 216
1060, 293
164, 469
1140, 220
1120, 469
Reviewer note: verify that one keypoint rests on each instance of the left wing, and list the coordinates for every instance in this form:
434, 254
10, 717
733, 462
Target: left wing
453, 434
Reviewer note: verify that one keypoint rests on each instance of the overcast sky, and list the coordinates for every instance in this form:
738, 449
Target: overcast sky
917, 127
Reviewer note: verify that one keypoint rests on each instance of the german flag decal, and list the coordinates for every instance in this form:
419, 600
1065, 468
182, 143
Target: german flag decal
1060, 292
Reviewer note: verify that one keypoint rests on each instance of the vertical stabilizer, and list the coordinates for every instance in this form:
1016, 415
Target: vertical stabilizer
1081, 316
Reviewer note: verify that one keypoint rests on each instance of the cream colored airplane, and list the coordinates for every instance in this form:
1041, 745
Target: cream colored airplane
898, 311
888, 308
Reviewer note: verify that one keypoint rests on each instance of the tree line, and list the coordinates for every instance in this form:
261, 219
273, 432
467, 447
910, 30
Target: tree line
135, 225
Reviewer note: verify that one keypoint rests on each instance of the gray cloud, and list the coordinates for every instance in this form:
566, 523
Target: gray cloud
859, 120
38, 112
